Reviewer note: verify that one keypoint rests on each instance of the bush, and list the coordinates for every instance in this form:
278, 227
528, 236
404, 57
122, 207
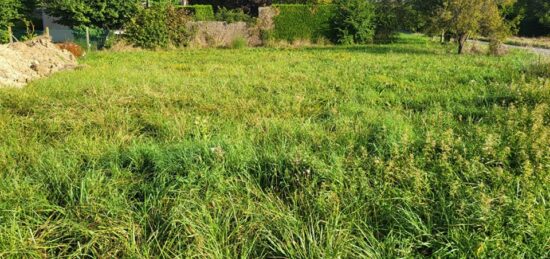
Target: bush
354, 22
200, 12
180, 31
149, 29
239, 43
160, 27
310, 22
74, 48
233, 15
4, 36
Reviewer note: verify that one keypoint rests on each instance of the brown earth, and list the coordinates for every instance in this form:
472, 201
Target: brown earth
23, 62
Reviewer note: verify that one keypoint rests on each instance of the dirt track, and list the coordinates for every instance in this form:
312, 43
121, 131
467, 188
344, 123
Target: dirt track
540, 51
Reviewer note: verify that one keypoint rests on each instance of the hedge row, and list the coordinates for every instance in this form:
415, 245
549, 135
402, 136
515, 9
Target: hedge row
296, 21
200, 12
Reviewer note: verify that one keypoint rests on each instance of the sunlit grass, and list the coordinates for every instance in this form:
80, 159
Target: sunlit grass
402, 150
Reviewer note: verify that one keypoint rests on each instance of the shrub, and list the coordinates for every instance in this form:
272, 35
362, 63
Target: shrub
180, 32
296, 21
75, 49
4, 36
160, 27
233, 15
148, 29
353, 22
239, 43
200, 12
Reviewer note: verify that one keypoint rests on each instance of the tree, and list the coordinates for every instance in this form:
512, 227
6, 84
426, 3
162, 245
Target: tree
106, 14
465, 18
425, 14
536, 17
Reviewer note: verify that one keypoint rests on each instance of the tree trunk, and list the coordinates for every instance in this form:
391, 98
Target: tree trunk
462, 38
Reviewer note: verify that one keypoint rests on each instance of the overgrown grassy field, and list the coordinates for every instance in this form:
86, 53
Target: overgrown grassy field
402, 150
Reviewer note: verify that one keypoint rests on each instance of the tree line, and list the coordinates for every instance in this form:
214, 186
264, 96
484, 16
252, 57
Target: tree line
450, 19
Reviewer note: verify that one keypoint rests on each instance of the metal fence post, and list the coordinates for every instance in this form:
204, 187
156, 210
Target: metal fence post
47, 31
88, 45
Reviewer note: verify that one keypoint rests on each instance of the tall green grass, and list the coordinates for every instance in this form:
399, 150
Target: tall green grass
401, 150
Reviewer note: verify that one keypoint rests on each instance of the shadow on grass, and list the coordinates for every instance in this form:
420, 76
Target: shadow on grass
377, 49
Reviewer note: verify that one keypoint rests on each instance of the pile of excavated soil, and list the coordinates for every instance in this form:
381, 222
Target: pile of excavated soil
23, 62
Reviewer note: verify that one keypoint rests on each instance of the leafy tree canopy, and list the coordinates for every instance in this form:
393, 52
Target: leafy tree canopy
107, 14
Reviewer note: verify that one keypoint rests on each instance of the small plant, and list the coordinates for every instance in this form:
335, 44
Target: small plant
266, 36
239, 43
29, 31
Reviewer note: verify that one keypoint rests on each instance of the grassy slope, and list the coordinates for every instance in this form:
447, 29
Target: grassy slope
397, 150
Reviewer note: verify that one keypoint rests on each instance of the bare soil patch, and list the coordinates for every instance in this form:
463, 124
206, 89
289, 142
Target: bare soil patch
22, 62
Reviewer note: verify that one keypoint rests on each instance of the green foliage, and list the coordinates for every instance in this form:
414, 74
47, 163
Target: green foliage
160, 27
535, 16
385, 151
302, 1
233, 15
8, 14
239, 43
299, 22
200, 12
354, 21
148, 29
180, 31
112, 14
467, 18
4, 36
97, 36
393, 16
248, 6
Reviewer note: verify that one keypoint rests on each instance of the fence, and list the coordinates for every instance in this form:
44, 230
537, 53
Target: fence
90, 39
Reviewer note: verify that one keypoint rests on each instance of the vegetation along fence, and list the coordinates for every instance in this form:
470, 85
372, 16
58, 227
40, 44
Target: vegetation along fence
91, 39
302, 22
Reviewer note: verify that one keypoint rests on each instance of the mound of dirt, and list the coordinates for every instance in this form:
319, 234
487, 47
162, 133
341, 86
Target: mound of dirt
23, 62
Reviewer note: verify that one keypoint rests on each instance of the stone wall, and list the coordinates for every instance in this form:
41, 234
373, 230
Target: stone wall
222, 34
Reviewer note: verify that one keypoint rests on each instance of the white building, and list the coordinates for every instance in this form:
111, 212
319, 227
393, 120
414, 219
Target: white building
58, 32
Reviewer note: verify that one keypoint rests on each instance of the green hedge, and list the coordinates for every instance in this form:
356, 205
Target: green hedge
200, 12
296, 21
